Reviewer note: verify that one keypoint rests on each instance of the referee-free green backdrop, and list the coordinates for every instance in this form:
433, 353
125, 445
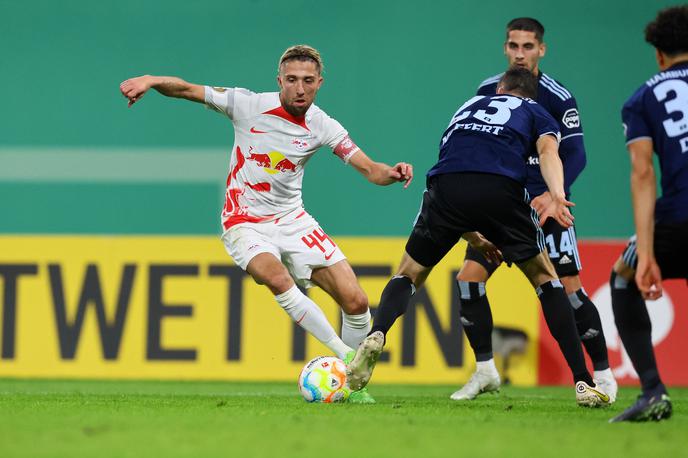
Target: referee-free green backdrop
74, 159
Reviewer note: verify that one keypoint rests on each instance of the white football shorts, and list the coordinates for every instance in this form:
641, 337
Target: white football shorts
296, 239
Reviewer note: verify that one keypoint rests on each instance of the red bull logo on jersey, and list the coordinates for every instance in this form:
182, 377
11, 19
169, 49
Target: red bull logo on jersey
272, 162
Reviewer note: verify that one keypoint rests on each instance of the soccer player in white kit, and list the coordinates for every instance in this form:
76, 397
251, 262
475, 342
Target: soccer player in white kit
266, 230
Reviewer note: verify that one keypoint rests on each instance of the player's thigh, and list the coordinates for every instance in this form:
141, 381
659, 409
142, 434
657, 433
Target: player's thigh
508, 221
244, 241
671, 249
497, 207
562, 248
413, 270
305, 247
437, 227
267, 270
628, 261
538, 269
340, 282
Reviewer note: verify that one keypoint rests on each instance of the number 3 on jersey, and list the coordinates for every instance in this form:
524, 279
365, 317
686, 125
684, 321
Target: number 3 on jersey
503, 105
676, 105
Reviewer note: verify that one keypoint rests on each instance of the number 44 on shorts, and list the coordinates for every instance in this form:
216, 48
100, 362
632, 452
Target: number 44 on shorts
317, 239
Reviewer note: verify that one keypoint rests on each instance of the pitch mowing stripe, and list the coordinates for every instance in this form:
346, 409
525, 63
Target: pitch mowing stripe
130, 165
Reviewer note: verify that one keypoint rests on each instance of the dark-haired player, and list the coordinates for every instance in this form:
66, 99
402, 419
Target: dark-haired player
655, 119
524, 47
477, 187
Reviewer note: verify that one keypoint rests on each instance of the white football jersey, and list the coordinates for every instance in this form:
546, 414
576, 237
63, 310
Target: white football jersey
271, 148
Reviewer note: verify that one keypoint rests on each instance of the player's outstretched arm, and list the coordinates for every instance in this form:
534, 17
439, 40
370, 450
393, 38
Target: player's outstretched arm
171, 86
553, 173
381, 173
644, 194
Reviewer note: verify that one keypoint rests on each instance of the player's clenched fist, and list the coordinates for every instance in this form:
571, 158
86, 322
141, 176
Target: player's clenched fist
134, 88
403, 171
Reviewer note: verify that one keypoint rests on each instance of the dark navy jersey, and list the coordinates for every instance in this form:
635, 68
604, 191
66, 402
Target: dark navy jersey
558, 102
659, 111
493, 134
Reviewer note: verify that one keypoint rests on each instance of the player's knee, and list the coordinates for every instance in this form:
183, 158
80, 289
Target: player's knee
623, 270
279, 282
472, 272
355, 303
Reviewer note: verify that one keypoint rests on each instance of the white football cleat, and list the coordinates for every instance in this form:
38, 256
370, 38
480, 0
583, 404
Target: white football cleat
607, 383
480, 382
591, 396
361, 367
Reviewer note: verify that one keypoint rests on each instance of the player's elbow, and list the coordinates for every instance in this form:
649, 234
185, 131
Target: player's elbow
643, 172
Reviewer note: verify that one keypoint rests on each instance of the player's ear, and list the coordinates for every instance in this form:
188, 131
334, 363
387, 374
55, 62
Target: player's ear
661, 59
543, 50
279, 81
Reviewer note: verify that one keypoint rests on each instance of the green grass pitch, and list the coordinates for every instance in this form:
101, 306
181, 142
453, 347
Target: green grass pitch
205, 419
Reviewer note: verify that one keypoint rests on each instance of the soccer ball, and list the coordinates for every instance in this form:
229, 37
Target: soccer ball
323, 379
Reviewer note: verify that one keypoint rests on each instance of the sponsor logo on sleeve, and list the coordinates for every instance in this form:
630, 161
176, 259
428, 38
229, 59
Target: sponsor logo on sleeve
571, 118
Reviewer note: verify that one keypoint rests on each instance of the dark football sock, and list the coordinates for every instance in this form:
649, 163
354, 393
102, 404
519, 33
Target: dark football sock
476, 318
589, 328
561, 324
635, 329
393, 303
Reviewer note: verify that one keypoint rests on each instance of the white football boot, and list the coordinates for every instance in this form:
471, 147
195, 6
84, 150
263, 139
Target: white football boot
361, 367
606, 381
483, 380
591, 396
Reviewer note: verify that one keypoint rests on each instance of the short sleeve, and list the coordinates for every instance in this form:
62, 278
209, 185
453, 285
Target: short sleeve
233, 102
489, 86
485, 90
545, 124
569, 119
329, 131
633, 118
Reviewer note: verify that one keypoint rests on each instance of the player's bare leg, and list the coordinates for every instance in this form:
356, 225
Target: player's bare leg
589, 327
340, 282
560, 321
393, 304
476, 318
267, 270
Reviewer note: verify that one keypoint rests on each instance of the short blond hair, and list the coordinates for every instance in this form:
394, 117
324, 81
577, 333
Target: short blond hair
302, 53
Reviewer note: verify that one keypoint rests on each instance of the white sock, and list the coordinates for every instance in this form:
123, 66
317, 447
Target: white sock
309, 316
486, 366
605, 374
355, 328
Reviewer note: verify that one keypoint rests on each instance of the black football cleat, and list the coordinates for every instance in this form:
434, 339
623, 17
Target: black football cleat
648, 407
